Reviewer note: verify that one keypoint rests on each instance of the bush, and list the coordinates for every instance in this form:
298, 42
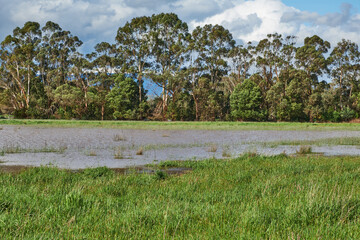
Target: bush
246, 102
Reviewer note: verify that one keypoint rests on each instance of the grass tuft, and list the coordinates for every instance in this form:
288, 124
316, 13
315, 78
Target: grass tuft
119, 153
226, 152
304, 150
160, 175
140, 151
119, 138
91, 153
213, 148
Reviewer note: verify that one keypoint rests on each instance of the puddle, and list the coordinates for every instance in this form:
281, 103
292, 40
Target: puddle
117, 149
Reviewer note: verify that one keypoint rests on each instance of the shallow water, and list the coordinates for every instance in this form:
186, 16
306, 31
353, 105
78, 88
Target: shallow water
74, 148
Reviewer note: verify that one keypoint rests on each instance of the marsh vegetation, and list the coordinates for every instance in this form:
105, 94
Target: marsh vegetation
252, 196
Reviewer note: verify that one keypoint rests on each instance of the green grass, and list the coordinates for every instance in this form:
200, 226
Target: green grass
154, 125
350, 141
18, 149
250, 197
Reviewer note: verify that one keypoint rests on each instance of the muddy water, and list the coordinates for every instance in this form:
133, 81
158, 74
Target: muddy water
73, 148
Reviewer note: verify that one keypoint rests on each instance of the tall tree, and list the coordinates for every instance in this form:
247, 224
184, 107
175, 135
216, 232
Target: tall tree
345, 63
209, 49
242, 59
60, 47
134, 41
169, 40
311, 59
104, 62
211, 46
18, 52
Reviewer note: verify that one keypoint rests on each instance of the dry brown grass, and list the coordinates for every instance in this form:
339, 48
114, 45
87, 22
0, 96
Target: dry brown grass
140, 151
213, 148
304, 150
357, 120
119, 137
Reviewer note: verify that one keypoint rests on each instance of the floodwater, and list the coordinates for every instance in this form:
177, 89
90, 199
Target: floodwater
79, 148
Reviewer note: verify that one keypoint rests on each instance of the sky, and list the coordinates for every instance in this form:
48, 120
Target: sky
94, 21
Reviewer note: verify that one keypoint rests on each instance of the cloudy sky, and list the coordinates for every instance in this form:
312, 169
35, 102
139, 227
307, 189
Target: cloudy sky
249, 20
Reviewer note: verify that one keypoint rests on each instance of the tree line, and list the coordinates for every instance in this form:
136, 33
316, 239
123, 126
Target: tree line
203, 75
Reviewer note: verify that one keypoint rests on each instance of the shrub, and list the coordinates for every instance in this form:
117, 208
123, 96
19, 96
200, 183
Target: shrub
246, 102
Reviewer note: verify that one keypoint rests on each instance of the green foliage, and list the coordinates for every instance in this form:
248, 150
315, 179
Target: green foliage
246, 102
124, 98
98, 172
43, 75
69, 99
160, 175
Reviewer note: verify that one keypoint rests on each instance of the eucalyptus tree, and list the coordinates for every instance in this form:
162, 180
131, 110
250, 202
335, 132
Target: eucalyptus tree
242, 59
134, 42
345, 65
268, 57
210, 47
105, 59
82, 77
103, 63
275, 59
310, 58
60, 46
168, 42
18, 52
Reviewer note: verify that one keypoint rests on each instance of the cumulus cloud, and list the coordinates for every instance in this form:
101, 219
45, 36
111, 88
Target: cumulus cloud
252, 20
249, 20
330, 19
98, 20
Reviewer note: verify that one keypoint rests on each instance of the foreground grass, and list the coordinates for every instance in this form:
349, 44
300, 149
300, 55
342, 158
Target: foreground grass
155, 125
250, 197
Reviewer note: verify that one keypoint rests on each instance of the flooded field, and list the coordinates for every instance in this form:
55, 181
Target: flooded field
79, 148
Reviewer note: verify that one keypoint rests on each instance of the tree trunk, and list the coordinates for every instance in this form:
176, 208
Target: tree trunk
164, 101
140, 89
102, 111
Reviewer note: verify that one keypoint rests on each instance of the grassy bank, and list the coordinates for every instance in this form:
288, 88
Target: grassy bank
250, 197
344, 141
155, 125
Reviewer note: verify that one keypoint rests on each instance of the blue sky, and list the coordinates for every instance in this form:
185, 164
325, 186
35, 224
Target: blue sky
95, 21
320, 6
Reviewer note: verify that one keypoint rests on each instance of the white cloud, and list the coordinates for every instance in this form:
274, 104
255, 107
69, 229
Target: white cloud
254, 19
95, 21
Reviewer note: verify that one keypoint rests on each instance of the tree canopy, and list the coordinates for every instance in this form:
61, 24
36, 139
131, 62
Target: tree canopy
199, 75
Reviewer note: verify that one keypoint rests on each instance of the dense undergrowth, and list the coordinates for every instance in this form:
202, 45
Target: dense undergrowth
250, 197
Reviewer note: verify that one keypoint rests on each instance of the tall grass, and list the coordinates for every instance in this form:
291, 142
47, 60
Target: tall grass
250, 197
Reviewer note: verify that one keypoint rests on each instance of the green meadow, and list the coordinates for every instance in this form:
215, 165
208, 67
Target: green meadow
177, 125
249, 197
